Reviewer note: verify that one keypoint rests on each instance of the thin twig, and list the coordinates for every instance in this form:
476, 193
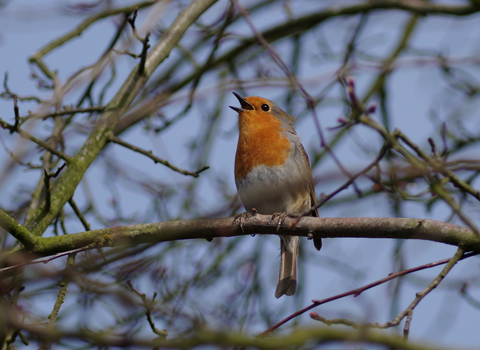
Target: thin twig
40, 143
143, 55
126, 52
65, 111
440, 190
144, 41
324, 199
50, 258
148, 305
358, 291
156, 159
62, 293
424, 165
131, 21
457, 257
14, 336
48, 188
8, 94
439, 166
78, 212
468, 297
406, 329
17, 115
29, 165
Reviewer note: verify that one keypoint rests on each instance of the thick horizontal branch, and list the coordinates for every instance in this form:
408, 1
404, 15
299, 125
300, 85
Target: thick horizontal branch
397, 228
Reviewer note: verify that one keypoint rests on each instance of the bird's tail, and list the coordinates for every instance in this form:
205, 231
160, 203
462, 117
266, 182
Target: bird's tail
287, 279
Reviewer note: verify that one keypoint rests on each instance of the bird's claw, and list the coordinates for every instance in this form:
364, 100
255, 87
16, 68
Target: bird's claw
281, 219
240, 218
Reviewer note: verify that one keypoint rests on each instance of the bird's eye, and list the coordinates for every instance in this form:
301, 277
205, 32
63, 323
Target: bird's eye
265, 107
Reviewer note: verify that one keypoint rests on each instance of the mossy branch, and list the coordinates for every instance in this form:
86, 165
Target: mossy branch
18, 231
396, 228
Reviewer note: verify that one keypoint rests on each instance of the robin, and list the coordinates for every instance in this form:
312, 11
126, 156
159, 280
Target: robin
273, 174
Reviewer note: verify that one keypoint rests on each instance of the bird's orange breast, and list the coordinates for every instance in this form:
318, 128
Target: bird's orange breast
261, 141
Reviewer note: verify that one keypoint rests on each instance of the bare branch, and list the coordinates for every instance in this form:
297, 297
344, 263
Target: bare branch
156, 159
48, 189
62, 293
65, 111
84, 25
77, 211
355, 292
8, 94
47, 259
39, 142
149, 307
143, 55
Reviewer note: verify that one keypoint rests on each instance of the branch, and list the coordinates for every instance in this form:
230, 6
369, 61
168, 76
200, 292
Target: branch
438, 165
312, 227
149, 307
423, 163
48, 259
84, 25
8, 94
39, 142
472, 301
11, 225
66, 111
69, 180
131, 21
48, 188
149, 154
79, 214
350, 181
17, 115
144, 41
143, 55
62, 293
408, 312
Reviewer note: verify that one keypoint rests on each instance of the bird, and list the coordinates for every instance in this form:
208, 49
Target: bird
273, 175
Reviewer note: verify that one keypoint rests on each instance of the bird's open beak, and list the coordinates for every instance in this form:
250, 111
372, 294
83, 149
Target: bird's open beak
245, 105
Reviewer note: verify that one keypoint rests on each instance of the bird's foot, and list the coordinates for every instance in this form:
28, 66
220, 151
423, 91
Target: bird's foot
281, 219
240, 218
